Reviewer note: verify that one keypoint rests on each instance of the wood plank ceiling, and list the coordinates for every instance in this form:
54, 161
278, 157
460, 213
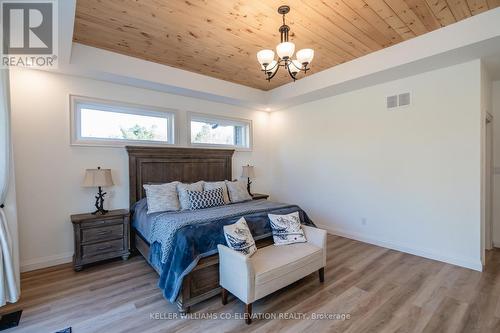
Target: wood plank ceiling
220, 38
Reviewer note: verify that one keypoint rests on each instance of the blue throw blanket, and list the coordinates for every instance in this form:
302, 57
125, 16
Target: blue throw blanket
180, 239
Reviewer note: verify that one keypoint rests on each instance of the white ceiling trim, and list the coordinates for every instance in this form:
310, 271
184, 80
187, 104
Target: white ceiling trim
472, 38
106, 65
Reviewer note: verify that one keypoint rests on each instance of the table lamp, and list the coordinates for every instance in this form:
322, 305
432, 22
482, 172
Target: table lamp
248, 172
98, 178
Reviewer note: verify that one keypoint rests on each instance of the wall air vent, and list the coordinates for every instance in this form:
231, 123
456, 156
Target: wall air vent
392, 101
404, 99
398, 101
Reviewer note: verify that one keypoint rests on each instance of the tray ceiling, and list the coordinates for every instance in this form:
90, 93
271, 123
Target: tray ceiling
220, 38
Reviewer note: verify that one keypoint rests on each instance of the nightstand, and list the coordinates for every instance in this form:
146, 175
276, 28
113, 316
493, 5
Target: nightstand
258, 196
100, 237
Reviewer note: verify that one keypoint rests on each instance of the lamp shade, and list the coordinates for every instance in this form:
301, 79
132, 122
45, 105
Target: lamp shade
265, 56
305, 56
285, 50
97, 177
295, 66
248, 171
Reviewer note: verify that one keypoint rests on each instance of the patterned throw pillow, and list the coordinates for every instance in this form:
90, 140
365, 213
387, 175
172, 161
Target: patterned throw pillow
182, 189
213, 185
238, 191
239, 237
206, 199
287, 229
162, 197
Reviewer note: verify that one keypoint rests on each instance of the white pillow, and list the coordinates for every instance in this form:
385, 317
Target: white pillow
182, 189
239, 237
287, 229
162, 197
238, 191
207, 186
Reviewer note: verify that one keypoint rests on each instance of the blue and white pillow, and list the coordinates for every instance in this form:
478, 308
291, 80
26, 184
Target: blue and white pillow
287, 229
213, 185
239, 237
206, 199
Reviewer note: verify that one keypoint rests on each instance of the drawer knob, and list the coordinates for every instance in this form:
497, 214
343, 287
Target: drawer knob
102, 248
105, 232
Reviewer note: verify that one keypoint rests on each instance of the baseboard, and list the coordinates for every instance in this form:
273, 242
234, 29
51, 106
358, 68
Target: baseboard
477, 266
43, 262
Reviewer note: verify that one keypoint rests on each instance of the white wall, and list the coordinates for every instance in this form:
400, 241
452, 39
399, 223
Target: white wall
49, 170
413, 175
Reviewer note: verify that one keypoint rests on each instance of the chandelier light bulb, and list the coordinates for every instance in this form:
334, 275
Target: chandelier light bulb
285, 50
305, 56
265, 57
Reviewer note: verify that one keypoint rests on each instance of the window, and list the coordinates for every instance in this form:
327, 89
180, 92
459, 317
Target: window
207, 130
98, 122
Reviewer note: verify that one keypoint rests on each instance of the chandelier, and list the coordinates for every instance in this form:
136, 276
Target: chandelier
285, 51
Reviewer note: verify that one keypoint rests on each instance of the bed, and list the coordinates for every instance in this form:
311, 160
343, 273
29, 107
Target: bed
181, 247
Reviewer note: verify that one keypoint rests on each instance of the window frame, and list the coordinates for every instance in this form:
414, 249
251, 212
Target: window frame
223, 120
79, 102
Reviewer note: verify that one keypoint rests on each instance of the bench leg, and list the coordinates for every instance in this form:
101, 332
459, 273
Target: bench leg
224, 296
248, 313
321, 275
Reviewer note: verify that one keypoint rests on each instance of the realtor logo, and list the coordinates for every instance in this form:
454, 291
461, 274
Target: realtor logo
28, 33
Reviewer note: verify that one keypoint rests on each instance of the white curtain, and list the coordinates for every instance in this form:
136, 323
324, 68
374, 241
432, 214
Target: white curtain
9, 284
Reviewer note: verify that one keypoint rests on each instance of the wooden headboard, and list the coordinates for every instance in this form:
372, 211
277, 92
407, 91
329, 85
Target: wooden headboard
156, 165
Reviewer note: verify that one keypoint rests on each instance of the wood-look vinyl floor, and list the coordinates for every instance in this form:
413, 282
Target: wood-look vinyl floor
381, 290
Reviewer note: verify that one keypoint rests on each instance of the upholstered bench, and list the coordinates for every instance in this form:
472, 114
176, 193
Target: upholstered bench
270, 268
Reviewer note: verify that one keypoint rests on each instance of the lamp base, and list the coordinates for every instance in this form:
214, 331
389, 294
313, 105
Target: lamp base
248, 186
100, 212
99, 203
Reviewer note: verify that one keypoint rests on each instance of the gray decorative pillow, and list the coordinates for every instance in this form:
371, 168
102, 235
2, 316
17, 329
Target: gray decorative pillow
239, 237
238, 191
206, 199
213, 185
182, 189
287, 229
162, 197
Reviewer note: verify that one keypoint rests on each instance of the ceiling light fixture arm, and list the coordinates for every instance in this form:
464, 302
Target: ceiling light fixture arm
271, 72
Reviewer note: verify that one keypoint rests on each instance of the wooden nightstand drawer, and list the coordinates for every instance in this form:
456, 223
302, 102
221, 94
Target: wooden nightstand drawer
100, 223
101, 248
102, 233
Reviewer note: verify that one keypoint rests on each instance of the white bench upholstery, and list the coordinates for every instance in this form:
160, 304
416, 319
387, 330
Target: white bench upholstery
270, 268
